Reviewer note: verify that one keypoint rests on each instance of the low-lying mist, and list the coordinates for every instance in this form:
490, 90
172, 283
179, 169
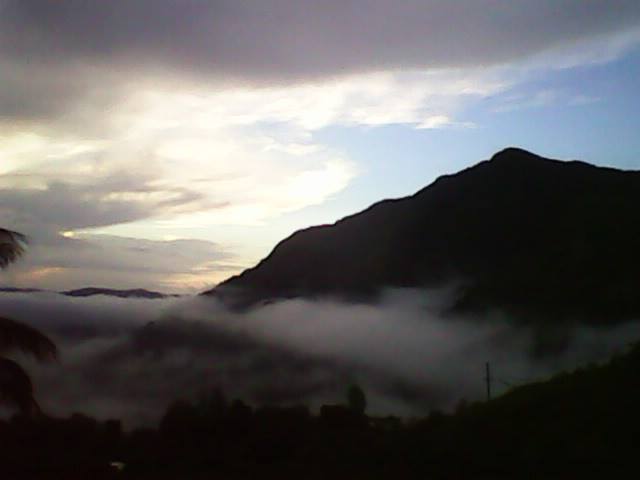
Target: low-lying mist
130, 358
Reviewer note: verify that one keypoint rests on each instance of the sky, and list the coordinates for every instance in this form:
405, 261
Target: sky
169, 144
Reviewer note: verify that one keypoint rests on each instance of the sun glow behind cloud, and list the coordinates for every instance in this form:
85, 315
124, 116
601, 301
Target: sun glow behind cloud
177, 156
217, 155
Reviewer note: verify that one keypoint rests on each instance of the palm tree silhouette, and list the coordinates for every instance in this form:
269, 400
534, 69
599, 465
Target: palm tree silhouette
16, 389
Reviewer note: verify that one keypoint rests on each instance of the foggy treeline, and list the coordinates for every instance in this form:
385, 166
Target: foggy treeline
130, 358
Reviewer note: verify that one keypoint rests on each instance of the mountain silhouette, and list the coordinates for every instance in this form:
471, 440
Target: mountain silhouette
110, 292
92, 291
531, 236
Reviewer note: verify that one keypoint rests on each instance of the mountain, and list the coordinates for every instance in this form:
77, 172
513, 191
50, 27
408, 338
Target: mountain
524, 234
20, 290
91, 291
135, 293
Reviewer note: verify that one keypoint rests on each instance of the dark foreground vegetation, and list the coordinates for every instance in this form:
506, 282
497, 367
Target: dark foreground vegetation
575, 425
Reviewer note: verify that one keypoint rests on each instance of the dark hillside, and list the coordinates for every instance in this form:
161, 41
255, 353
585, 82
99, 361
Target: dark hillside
536, 237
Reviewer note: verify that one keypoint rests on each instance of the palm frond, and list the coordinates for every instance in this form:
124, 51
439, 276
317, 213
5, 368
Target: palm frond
18, 336
12, 246
16, 389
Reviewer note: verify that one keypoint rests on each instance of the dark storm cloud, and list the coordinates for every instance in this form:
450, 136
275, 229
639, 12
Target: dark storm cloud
32, 91
287, 39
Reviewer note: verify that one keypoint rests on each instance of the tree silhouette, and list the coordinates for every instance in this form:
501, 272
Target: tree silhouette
357, 399
16, 388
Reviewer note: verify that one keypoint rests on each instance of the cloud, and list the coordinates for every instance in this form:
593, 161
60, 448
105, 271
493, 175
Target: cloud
81, 206
32, 93
281, 40
131, 358
73, 60
164, 160
230, 156
166, 176
175, 266
542, 99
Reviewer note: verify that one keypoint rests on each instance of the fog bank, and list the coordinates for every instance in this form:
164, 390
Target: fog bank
129, 358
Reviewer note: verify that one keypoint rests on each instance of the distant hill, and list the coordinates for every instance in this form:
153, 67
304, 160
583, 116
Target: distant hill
529, 235
20, 290
91, 291
134, 293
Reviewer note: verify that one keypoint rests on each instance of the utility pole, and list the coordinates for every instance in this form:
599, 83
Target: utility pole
488, 380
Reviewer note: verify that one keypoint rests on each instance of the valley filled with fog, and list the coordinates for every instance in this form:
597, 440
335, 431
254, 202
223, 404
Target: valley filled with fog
130, 358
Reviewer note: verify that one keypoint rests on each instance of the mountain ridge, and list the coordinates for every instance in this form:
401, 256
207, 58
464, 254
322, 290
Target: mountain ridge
520, 232
92, 291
